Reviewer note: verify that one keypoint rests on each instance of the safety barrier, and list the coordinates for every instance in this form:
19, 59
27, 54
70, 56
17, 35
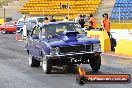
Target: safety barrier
117, 26
124, 47
121, 26
103, 37
1, 21
18, 37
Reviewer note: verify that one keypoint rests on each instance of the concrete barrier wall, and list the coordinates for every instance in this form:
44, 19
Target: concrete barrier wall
103, 37
1, 21
117, 26
124, 47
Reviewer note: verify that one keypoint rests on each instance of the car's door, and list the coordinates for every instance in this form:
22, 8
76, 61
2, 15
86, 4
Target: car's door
36, 47
32, 43
39, 44
39, 48
35, 42
10, 26
3, 26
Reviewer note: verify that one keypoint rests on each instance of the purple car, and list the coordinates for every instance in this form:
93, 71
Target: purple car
62, 44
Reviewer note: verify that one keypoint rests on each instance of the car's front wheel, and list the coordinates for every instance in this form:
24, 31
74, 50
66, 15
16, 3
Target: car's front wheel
95, 63
33, 62
46, 65
4, 31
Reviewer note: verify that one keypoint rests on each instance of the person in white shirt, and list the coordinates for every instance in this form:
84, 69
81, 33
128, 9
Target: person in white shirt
22, 20
66, 19
77, 18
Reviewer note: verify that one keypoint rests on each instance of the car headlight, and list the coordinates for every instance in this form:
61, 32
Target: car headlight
96, 47
54, 50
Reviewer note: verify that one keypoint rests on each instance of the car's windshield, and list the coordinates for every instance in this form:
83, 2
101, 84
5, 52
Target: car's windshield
10, 23
52, 29
22, 22
40, 20
32, 21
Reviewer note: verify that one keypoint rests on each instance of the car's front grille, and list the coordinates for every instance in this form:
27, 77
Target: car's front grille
75, 49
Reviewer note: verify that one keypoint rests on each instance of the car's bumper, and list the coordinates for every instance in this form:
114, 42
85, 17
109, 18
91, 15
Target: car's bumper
87, 54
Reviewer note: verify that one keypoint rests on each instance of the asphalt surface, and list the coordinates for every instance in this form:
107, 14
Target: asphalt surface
16, 73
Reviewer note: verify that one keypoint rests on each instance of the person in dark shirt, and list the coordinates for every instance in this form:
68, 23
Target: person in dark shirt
81, 21
92, 22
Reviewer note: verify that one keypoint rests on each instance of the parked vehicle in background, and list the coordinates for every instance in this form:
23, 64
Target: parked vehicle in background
62, 44
38, 19
20, 24
8, 27
31, 21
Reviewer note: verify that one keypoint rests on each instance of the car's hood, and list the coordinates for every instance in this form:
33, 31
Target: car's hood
19, 25
70, 38
78, 41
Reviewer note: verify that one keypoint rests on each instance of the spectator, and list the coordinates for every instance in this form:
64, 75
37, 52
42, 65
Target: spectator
24, 31
105, 23
65, 19
22, 20
63, 6
60, 5
92, 22
85, 18
81, 21
46, 20
52, 19
107, 17
77, 18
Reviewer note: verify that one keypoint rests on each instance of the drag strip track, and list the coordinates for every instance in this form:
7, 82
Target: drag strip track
15, 72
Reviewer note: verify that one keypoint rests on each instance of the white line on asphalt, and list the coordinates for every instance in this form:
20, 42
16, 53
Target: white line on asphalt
117, 55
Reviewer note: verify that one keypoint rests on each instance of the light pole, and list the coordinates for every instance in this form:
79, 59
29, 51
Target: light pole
4, 16
119, 15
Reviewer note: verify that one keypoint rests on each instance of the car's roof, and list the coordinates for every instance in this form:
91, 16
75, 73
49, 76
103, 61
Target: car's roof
37, 17
10, 22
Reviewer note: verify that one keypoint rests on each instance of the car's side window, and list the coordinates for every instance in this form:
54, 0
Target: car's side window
33, 21
35, 32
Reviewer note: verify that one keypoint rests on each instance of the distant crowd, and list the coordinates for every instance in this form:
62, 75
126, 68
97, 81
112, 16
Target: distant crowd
91, 21
105, 22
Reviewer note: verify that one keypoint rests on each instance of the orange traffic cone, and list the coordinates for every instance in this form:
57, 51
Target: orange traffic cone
17, 37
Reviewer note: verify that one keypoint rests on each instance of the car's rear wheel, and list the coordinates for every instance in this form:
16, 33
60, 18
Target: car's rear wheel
33, 62
95, 63
4, 31
46, 65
